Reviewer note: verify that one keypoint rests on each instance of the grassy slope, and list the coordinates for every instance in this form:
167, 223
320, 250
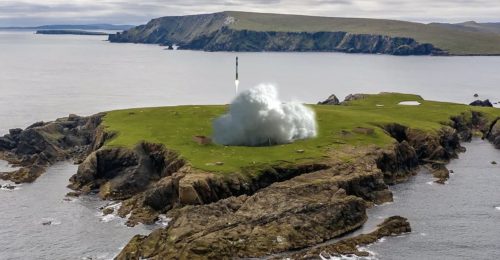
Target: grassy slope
473, 26
175, 127
455, 40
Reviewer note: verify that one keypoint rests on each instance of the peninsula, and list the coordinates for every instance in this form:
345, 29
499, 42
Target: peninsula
244, 31
244, 202
71, 32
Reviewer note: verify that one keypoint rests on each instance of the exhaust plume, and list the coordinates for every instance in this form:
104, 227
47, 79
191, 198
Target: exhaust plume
257, 117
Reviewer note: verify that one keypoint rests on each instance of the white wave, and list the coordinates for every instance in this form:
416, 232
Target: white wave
497, 208
9, 189
112, 216
163, 220
50, 222
257, 117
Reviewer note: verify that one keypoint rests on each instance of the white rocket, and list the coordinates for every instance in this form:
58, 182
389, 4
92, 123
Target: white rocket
237, 81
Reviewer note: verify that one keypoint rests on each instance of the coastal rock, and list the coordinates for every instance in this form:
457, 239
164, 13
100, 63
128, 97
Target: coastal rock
392, 226
221, 229
331, 100
43, 144
188, 186
352, 97
481, 103
439, 171
493, 133
119, 173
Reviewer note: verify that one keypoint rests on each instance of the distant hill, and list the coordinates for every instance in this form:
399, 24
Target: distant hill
243, 31
472, 26
70, 32
75, 27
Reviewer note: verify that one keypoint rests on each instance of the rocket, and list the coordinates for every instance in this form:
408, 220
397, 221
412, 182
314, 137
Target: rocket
237, 80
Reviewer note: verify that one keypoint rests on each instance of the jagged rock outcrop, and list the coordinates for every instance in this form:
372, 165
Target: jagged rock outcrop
318, 206
331, 100
482, 103
353, 97
214, 32
392, 226
152, 180
493, 134
42, 144
119, 173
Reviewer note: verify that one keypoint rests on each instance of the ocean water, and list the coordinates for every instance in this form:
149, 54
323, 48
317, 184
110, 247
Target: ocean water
459, 220
43, 77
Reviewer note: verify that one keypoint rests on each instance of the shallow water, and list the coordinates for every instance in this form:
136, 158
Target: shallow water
48, 76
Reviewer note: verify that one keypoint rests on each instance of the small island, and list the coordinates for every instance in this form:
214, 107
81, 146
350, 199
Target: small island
71, 32
250, 202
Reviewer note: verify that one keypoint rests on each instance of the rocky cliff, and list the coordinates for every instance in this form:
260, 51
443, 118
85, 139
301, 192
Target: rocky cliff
213, 32
42, 144
319, 205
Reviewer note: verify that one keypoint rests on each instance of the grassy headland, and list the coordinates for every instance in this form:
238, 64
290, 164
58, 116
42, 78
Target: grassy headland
175, 127
245, 31
456, 40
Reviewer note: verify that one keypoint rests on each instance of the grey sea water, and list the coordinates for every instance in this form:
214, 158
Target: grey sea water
43, 77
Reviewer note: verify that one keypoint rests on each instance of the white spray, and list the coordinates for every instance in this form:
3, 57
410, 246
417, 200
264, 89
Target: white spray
257, 117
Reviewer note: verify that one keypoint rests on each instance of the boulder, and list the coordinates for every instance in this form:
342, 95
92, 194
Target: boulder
331, 100
352, 97
479, 103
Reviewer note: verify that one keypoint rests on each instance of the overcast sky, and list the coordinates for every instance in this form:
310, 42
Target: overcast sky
38, 12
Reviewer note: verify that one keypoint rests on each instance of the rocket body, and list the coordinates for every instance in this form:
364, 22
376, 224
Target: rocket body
237, 80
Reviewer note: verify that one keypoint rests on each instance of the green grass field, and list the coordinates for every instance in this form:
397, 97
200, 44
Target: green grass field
456, 40
175, 127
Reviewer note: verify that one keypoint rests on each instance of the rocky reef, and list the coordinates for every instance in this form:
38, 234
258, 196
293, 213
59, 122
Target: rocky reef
42, 144
213, 32
391, 226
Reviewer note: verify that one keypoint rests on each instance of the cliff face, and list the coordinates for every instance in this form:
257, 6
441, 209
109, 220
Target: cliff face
213, 32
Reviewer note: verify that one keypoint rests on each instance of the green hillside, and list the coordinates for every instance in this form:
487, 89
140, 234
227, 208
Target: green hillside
456, 40
175, 127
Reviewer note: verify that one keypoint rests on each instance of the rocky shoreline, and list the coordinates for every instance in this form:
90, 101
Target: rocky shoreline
279, 210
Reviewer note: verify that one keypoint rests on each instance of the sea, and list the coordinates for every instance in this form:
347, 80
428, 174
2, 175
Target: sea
44, 77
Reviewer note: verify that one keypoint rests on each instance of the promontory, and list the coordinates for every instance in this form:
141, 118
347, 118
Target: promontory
255, 32
227, 202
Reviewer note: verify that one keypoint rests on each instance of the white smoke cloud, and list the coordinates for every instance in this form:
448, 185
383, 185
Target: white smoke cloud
258, 118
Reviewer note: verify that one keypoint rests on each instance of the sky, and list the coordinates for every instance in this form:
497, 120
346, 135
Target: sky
40, 12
